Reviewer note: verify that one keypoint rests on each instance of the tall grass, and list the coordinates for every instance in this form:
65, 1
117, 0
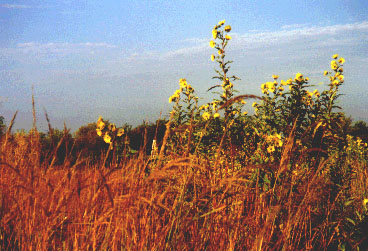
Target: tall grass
182, 204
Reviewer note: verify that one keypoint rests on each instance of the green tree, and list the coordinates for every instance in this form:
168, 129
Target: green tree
89, 143
2, 125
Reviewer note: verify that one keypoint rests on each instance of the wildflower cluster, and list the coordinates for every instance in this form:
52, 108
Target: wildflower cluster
220, 41
356, 147
284, 101
210, 110
336, 78
273, 141
190, 101
109, 132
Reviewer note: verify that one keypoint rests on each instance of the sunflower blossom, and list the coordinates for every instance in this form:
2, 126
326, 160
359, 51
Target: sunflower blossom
227, 28
214, 34
206, 116
299, 77
107, 138
333, 65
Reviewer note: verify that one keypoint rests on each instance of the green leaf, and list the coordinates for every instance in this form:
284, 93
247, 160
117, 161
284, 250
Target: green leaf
347, 203
351, 221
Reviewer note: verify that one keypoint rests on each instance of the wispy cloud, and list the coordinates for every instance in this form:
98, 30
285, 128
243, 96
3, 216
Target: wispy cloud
293, 26
316, 36
62, 48
15, 6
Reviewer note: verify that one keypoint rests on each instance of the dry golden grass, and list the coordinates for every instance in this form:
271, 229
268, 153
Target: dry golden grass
181, 205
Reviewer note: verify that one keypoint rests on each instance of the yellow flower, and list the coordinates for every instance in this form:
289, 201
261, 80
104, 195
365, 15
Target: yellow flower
120, 132
280, 143
216, 115
270, 149
254, 104
183, 83
335, 56
271, 86
342, 60
243, 101
212, 44
221, 22
214, 106
170, 99
177, 92
99, 132
307, 79
214, 34
227, 28
341, 78
107, 138
335, 82
325, 73
316, 93
281, 88
365, 202
212, 57
333, 65
283, 82
245, 113
227, 37
275, 76
299, 77
112, 127
100, 125
206, 116
310, 94
220, 52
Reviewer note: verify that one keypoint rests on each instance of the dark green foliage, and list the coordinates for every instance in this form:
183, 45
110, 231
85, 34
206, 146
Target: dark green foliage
360, 129
88, 143
2, 125
150, 131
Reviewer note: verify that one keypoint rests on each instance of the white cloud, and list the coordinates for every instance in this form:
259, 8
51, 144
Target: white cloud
316, 35
15, 6
62, 48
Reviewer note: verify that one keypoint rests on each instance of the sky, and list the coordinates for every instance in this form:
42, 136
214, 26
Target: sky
122, 59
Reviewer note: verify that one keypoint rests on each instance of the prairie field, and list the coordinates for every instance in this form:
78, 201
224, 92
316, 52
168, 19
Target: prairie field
290, 174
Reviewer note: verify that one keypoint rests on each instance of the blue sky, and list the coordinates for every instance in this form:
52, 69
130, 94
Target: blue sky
123, 59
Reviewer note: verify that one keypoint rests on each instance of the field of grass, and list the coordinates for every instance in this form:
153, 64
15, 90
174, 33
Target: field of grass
289, 177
